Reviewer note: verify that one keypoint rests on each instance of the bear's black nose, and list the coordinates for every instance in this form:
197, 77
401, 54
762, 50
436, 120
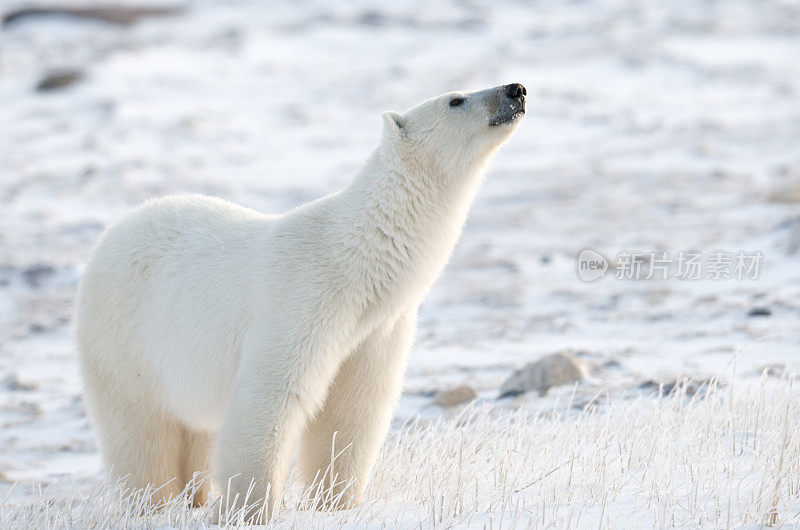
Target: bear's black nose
516, 91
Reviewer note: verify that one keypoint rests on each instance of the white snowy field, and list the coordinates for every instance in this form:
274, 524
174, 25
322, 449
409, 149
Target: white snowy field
652, 126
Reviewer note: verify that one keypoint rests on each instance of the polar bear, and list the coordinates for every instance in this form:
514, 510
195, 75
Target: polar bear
214, 338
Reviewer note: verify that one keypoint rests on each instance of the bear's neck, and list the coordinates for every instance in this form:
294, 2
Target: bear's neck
407, 222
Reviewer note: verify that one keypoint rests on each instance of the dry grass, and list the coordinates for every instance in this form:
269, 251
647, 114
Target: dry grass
720, 458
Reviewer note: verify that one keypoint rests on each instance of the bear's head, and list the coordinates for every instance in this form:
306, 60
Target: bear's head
455, 132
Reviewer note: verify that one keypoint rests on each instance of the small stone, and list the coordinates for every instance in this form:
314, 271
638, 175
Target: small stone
553, 370
59, 79
122, 15
30, 408
35, 275
789, 193
454, 396
11, 382
372, 18
759, 312
773, 370
691, 386
651, 384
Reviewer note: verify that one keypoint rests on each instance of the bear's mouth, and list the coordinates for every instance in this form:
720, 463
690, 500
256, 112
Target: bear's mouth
508, 117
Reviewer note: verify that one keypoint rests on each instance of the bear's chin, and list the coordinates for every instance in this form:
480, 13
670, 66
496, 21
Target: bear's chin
504, 119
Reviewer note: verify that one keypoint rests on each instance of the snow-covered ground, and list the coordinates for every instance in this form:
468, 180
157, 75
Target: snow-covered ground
652, 126
727, 460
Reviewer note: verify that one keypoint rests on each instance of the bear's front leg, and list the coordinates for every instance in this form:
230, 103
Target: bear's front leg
358, 409
251, 457
276, 391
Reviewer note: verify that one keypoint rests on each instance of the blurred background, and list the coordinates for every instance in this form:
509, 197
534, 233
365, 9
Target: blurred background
652, 126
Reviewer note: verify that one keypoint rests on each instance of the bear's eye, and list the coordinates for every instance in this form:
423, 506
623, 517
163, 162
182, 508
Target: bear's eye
455, 102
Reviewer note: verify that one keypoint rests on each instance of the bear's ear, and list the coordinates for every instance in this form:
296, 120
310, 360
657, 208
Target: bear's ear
394, 123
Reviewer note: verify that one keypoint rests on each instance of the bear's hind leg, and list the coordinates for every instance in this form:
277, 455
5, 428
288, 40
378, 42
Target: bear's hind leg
358, 409
141, 447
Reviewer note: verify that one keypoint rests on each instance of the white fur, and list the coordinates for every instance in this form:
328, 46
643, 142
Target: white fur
205, 326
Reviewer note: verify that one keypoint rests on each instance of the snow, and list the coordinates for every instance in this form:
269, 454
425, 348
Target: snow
651, 126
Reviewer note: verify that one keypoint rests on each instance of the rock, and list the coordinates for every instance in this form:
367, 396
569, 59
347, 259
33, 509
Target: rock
667, 387
36, 328
372, 18
652, 384
772, 370
59, 79
29, 408
36, 274
612, 363
759, 312
121, 15
454, 396
553, 370
12, 382
789, 193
